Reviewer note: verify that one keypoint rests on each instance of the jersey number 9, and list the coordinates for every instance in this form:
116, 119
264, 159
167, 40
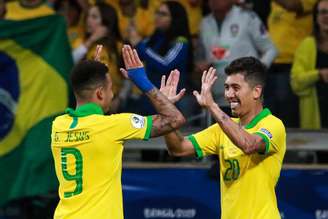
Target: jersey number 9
77, 177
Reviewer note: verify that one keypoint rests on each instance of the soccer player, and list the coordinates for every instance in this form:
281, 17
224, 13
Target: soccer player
250, 147
87, 145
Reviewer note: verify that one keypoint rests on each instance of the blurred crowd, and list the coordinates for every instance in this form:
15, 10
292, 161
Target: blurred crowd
289, 36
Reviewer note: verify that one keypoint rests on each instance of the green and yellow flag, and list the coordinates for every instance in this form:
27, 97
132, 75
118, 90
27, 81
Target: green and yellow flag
35, 61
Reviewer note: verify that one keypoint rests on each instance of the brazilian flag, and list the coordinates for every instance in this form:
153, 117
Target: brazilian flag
35, 61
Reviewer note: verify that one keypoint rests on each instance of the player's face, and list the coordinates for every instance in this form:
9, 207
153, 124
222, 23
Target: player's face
322, 18
240, 94
163, 17
93, 19
107, 94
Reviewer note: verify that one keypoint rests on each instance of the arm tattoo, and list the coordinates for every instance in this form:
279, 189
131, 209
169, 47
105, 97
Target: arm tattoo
168, 118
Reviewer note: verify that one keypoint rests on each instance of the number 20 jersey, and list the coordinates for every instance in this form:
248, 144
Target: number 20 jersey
247, 181
88, 162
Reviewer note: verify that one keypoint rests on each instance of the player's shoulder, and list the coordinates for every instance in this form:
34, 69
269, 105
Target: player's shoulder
273, 121
61, 119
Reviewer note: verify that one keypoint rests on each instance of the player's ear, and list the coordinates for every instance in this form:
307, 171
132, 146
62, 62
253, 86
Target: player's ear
100, 93
257, 91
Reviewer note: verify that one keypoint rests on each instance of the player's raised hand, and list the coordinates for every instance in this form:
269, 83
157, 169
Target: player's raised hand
131, 60
169, 87
134, 69
205, 98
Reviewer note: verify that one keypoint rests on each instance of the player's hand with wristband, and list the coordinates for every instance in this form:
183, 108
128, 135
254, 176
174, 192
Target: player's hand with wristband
135, 70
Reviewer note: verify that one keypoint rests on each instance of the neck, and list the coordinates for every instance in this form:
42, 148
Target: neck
83, 102
248, 117
221, 14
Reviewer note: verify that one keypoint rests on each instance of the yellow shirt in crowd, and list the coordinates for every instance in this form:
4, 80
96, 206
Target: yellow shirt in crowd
288, 29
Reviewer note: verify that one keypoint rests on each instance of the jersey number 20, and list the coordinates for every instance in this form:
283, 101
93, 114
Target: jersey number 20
77, 177
232, 173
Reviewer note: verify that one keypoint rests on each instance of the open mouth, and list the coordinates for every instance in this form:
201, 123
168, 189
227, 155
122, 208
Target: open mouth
234, 105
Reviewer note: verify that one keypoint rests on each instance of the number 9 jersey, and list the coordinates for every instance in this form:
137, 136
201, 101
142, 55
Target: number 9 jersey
247, 181
87, 148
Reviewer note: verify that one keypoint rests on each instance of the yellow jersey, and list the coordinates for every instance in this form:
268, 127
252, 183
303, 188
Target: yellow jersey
87, 149
15, 11
247, 182
288, 29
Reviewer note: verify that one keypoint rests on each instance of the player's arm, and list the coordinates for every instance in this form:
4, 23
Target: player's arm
248, 143
169, 117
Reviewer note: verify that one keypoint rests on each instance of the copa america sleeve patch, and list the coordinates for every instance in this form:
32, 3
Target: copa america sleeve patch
137, 121
266, 132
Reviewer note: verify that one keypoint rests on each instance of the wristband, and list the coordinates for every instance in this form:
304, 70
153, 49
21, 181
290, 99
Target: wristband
140, 79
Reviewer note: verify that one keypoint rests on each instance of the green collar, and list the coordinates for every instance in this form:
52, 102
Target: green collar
85, 110
265, 112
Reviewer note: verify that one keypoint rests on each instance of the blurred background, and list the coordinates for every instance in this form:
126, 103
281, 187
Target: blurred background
41, 40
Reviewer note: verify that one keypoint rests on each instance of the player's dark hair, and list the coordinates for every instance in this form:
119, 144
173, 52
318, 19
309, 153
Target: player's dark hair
88, 75
254, 70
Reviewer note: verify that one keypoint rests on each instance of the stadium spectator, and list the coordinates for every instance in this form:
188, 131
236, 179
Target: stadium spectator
260, 7
250, 147
167, 49
27, 9
309, 78
102, 28
131, 15
73, 11
194, 13
289, 23
230, 32
87, 145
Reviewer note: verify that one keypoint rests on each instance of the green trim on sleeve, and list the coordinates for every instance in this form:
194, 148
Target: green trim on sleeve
149, 127
266, 140
198, 150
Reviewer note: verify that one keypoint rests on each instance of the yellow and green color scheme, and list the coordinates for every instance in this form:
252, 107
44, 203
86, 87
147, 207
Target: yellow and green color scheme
247, 181
87, 147
35, 61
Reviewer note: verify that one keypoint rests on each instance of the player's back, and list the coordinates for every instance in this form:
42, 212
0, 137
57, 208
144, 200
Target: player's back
87, 151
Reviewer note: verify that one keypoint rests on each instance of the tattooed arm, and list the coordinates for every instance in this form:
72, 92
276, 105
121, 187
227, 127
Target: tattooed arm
169, 117
248, 143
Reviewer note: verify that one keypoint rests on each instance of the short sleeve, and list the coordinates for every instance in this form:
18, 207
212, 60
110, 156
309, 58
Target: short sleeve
132, 126
206, 142
273, 134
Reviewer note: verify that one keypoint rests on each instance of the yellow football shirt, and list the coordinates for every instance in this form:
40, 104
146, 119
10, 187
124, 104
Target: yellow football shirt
247, 181
288, 29
87, 149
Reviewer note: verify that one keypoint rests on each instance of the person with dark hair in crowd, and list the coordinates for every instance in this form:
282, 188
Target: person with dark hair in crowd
230, 32
289, 23
73, 11
102, 28
250, 147
87, 145
309, 78
168, 48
